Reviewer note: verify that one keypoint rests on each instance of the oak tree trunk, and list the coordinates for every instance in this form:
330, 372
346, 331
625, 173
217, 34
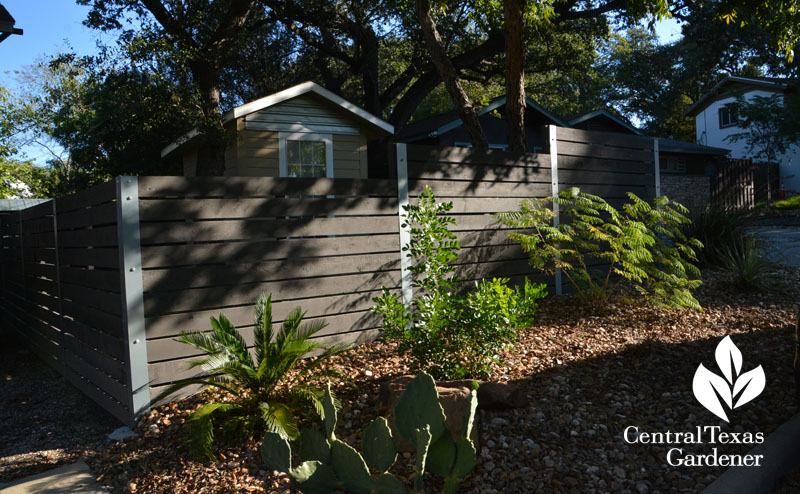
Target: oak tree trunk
450, 76
211, 149
515, 75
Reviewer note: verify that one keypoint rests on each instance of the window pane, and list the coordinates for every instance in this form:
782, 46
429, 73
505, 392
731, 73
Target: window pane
293, 152
318, 154
306, 158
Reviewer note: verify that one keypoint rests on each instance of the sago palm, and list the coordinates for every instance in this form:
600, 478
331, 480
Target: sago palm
268, 391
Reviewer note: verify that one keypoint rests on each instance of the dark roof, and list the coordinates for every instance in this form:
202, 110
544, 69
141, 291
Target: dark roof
444, 122
7, 24
5, 15
667, 145
602, 112
777, 84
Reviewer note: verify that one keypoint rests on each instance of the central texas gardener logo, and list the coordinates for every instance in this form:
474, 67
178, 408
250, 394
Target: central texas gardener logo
735, 389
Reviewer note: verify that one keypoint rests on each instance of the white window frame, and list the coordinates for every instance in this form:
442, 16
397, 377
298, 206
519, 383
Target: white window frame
464, 144
283, 162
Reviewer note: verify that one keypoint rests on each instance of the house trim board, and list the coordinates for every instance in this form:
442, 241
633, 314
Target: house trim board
131, 289
280, 97
405, 231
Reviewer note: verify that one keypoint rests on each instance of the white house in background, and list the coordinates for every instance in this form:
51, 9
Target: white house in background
716, 119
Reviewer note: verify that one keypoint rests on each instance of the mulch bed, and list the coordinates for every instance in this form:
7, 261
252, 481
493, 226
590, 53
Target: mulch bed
587, 376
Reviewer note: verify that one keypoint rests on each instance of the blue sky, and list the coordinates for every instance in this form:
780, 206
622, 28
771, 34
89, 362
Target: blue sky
50, 26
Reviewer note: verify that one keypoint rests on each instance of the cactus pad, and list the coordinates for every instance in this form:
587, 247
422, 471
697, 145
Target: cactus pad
329, 409
350, 468
314, 446
378, 445
276, 452
417, 407
312, 477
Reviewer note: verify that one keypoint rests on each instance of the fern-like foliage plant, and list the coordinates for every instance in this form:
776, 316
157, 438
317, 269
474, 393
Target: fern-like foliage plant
597, 246
268, 387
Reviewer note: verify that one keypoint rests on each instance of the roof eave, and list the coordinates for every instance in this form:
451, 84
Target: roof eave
376, 123
693, 110
608, 114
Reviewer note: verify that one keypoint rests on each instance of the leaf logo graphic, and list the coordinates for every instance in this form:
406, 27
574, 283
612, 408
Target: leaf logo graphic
735, 389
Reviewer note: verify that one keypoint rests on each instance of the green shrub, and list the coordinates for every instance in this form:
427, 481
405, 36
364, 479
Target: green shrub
718, 230
744, 260
595, 243
267, 391
446, 333
329, 464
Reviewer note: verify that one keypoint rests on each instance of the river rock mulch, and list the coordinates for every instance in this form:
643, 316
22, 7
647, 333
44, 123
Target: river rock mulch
588, 377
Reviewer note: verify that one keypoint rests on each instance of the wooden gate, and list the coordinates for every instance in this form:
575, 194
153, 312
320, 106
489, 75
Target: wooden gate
732, 185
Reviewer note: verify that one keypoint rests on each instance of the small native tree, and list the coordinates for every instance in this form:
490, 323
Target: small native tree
769, 128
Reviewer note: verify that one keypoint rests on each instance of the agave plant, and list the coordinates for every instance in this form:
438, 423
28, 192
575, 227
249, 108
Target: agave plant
269, 389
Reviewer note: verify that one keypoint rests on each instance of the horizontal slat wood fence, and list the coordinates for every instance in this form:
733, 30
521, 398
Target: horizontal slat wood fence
212, 245
100, 283
61, 291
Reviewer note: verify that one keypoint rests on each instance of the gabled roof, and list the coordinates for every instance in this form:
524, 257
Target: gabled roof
602, 112
776, 84
666, 145
7, 24
285, 95
437, 125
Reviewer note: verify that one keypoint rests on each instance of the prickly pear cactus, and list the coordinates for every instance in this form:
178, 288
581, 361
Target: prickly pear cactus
329, 464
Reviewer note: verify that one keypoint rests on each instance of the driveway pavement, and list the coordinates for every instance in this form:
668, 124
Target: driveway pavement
783, 243
68, 479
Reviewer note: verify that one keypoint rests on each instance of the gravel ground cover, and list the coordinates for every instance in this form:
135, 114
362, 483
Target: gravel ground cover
587, 377
44, 421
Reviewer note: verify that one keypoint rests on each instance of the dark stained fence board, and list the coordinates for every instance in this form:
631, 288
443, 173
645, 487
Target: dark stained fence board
243, 229
447, 189
236, 274
166, 302
103, 214
261, 187
610, 139
258, 251
102, 257
102, 236
93, 196
180, 209
97, 279
593, 151
169, 371
172, 324
419, 172
169, 349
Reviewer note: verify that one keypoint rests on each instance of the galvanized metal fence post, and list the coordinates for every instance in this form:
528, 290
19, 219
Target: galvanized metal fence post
405, 232
657, 167
131, 291
553, 131
59, 303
